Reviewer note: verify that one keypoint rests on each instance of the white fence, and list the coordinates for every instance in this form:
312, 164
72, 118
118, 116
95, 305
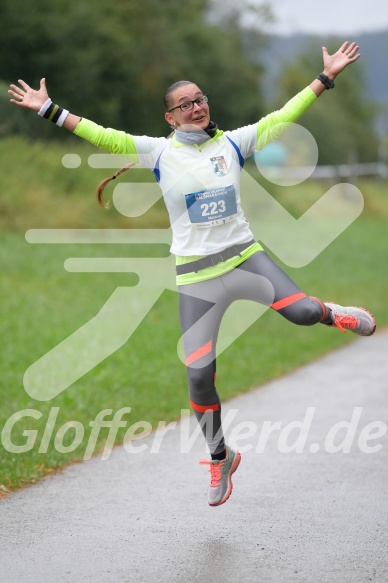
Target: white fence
379, 169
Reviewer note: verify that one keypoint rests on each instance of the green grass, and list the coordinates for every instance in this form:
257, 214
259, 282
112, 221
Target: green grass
42, 304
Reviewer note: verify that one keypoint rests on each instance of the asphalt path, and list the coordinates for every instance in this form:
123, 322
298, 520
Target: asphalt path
310, 498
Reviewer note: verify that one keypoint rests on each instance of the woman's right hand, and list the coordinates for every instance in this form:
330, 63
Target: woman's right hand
25, 96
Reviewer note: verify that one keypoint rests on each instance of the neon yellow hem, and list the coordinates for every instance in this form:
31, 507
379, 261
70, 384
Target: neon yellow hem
214, 270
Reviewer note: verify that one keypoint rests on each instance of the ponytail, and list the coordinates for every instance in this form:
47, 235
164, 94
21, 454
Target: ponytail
103, 183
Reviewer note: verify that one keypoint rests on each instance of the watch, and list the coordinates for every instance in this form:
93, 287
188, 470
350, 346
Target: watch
328, 83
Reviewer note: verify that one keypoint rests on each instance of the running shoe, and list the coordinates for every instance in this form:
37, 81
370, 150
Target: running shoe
221, 476
357, 320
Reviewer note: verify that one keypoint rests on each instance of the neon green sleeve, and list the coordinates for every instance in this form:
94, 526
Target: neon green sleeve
116, 142
272, 125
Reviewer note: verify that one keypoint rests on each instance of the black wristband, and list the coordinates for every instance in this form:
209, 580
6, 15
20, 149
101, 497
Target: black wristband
328, 83
53, 112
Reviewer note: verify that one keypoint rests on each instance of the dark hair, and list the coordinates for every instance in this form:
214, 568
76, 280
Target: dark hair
167, 104
171, 89
103, 183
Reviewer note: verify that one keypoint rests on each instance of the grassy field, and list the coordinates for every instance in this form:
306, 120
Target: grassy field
42, 304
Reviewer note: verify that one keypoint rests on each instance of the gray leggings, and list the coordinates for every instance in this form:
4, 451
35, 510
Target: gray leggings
202, 306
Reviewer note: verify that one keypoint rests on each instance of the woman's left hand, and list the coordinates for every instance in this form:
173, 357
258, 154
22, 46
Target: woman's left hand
334, 64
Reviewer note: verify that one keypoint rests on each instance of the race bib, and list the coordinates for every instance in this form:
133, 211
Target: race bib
209, 208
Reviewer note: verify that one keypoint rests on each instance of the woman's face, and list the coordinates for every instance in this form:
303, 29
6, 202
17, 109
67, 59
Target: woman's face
198, 116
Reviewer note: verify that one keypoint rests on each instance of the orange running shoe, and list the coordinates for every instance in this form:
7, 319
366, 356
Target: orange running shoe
357, 320
221, 476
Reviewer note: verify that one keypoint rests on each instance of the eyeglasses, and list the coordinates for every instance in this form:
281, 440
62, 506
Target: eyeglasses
189, 105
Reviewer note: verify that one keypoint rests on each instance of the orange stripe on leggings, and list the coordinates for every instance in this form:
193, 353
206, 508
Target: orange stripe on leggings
199, 353
324, 309
204, 408
288, 301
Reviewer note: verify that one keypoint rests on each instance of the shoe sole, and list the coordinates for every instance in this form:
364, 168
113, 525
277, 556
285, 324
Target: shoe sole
374, 320
364, 310
234, 467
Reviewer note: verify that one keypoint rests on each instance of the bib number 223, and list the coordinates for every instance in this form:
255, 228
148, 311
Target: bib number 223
209, 208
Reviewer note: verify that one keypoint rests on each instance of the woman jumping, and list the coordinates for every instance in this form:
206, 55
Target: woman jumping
217, 259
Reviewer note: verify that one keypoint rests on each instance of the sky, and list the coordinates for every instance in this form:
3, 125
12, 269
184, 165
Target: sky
326, 17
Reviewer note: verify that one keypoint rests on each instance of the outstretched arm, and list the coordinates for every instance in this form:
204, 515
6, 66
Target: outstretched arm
25, 96
270, 127
334, 64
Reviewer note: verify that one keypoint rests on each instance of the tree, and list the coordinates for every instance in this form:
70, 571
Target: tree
111, 62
